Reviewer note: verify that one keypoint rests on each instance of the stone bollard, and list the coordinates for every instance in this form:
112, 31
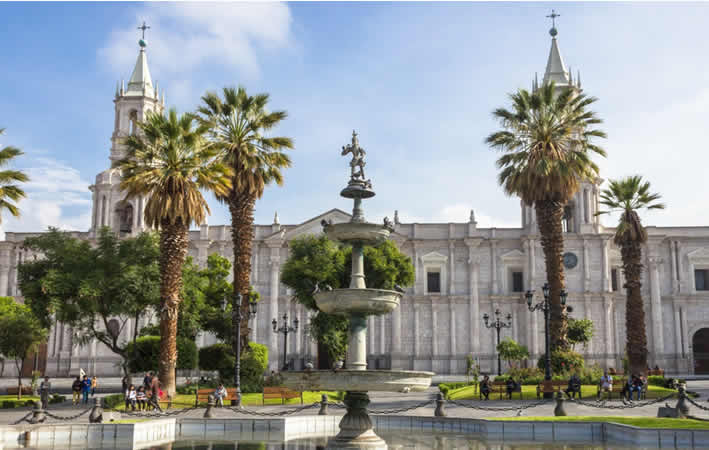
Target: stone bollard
37, 414
682, 404
323, 406
96, 414
208, 414
440, 402
559, 410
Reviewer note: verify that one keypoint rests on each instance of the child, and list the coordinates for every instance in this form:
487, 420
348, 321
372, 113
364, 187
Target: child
141, 398
220, 395
131, 397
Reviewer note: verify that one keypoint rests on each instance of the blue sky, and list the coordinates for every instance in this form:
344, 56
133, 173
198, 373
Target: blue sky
418, 81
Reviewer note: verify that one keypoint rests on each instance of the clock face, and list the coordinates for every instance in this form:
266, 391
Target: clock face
570, 260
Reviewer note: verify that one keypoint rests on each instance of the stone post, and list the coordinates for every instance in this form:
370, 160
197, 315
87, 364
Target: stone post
323, 406
440, 402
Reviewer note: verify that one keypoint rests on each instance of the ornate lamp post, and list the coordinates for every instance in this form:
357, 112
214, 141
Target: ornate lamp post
498, 325
236, 312
546, 308
285, 329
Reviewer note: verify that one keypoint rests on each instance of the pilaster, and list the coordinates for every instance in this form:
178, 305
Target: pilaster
473, 294
656, 301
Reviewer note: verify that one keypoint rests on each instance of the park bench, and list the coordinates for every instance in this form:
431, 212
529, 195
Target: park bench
202, 395
499, 387
26, 390
618, 384
280, 392
551, 387
656, 372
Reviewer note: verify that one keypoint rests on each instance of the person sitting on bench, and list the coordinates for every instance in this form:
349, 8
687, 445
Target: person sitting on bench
511, 386
574, 386
485, 387
636, 387
606, 385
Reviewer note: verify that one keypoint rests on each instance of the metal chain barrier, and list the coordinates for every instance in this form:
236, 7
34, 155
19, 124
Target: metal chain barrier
604, 405
75, 416
504, 408
24, 419
400, 410
273, 414
161, 413
337, 405
698, 405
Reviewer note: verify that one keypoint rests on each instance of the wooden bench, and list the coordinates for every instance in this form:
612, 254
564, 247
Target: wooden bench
551, 387
656, 372
283, 393
202, 395
500, 387
617, 383
26, 390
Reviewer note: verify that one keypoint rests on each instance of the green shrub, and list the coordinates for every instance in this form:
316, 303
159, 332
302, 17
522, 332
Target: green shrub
29, 403
113, 400
254, 362
563, 362
148, 351
445, 388
657, 380
8, 404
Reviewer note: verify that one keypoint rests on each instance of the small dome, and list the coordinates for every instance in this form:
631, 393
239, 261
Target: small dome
552, 32
142, 43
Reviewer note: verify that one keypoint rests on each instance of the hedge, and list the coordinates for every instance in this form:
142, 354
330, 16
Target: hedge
254, 363
148, 351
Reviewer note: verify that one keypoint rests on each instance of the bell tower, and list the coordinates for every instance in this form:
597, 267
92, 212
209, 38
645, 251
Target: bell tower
132, 104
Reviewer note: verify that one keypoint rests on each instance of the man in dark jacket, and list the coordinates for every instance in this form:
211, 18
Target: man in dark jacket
76, 391
574, 386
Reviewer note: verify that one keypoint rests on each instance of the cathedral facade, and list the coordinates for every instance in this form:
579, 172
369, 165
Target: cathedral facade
462, 272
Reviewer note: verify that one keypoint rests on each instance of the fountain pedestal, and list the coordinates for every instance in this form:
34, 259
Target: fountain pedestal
357, 302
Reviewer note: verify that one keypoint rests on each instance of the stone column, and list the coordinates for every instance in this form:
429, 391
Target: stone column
587, 205
678, 329
5, 266
586, 267
275, 264
656, 301
493, 256
606, 267
578, 219
473, 295
382, 335
418, 278
589, 315
673, 267
434, 334
608, 325
680, 269
254, 272
417, 334
453, 331
451, 271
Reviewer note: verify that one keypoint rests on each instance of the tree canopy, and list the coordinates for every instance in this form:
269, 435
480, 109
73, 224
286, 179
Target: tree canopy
511, 351
316, 259
20, 334
580, 332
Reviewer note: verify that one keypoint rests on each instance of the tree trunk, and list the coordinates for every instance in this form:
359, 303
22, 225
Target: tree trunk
549, 214
173, 249
636, 339
241, 207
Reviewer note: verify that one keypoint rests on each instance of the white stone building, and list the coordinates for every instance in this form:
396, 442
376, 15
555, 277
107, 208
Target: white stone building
462, 272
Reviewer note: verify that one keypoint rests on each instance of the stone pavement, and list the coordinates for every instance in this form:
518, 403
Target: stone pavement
385, 400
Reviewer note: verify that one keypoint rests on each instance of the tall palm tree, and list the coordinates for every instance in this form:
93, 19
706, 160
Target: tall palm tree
628, 195
10, 192
237, 124
169, 162
547, 141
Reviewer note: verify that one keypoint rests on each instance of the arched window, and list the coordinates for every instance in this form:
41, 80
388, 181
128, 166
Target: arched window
132, 122
567, 220
124, 213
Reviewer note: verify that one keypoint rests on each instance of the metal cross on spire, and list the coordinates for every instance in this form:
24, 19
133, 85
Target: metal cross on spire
145, 27
553, 17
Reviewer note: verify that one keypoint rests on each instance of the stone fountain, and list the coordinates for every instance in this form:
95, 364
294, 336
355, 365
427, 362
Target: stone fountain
357, 302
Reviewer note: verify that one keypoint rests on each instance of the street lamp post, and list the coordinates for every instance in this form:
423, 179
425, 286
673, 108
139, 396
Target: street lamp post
545, 307
285, 329
236, 312
498, 325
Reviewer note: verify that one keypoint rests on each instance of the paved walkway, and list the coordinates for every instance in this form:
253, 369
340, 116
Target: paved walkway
384, 400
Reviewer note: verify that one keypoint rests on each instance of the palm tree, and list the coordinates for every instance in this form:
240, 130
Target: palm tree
169, 162
10, 192
628, 195
547, 144
237, 124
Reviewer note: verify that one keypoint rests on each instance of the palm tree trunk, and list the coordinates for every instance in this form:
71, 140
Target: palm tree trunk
636, 339
241, 207
549, 214
173, 249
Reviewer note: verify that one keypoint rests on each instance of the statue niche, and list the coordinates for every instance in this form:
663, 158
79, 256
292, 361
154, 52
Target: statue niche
124, 214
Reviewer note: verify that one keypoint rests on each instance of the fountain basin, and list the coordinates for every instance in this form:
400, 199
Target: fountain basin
357, 380
358, 301
364, 232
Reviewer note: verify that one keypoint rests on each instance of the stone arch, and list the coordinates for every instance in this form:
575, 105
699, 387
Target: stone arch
700, 350
567, 220
124, 216
132, 121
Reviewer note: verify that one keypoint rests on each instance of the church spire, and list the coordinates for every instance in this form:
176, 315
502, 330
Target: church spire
140, 83
556, 70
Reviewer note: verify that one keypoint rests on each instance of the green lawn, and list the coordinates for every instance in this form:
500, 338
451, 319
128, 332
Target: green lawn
252, 399
643, 422
5, 400
530, 393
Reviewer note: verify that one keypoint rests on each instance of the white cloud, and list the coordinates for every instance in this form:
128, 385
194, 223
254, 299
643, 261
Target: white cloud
57, 196
184, 35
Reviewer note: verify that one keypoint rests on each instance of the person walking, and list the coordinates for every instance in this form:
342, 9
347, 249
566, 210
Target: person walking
85, 389
44, 389
76, 391
155, 392
94, 385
